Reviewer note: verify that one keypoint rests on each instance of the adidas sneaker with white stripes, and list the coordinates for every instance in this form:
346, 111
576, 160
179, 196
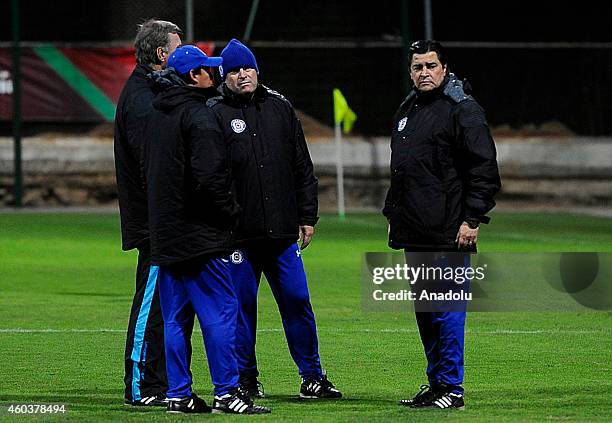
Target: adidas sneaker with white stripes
425, 395
152, 401
449, 400
189, 405
252, 387
319, 389
443, 400
237, 402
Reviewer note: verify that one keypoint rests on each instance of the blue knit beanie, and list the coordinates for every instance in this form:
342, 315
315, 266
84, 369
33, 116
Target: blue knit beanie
236, 55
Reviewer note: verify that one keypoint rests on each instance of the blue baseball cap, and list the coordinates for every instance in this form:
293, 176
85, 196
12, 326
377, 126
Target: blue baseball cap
189, 57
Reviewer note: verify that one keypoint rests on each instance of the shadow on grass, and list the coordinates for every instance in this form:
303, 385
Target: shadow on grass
80, 398
295, 399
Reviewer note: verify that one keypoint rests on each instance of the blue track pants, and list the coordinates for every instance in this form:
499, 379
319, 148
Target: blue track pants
208, 293
282, 265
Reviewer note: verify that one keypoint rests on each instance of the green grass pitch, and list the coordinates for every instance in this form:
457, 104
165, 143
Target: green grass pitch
65, 292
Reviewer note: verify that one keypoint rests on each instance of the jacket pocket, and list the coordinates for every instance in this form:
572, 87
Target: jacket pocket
425, 208
420, 218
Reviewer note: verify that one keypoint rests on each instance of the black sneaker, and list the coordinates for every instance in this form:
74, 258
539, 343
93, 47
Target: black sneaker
189, 405
443, 400
237, 402
252, 387
158, 400
426, 394
319, 389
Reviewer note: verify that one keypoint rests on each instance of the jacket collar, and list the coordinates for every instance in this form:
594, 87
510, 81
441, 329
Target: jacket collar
177, 95
429, 96
142, 70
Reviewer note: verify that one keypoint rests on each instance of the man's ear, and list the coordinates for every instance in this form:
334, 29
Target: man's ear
193, 76
160, 54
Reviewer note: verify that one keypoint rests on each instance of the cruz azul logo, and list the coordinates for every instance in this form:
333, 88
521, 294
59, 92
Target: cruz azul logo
237, 257
238, 125
402, 124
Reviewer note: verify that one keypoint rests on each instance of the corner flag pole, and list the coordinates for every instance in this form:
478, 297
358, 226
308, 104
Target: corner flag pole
345, 116
339, 171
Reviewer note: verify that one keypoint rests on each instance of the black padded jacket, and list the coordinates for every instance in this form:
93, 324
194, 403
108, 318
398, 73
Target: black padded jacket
133, 109
272, 169
192, 211
443, 167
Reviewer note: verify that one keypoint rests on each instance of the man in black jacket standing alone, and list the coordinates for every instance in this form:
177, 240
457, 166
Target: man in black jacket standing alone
145, 368
192, 212
443, 179
277, 192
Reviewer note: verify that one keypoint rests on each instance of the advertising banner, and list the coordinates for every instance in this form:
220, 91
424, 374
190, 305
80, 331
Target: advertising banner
68, 84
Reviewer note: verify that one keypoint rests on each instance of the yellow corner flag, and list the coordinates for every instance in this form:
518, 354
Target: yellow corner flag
342, 112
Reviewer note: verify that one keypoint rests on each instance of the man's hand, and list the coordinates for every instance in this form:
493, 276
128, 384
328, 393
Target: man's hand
306, 234
466, 237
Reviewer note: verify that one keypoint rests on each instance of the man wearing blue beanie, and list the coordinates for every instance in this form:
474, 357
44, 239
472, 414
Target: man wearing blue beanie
236, 55
277, 192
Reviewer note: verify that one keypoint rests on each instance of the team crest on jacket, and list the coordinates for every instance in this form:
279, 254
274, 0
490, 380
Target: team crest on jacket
402, 124
237, 257
238, 125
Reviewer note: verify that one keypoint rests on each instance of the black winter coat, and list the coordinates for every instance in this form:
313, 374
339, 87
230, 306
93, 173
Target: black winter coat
133, 109
192, 210
443, 168
273, 173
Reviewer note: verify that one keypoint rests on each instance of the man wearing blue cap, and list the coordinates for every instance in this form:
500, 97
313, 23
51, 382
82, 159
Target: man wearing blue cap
191, 216
277, 192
